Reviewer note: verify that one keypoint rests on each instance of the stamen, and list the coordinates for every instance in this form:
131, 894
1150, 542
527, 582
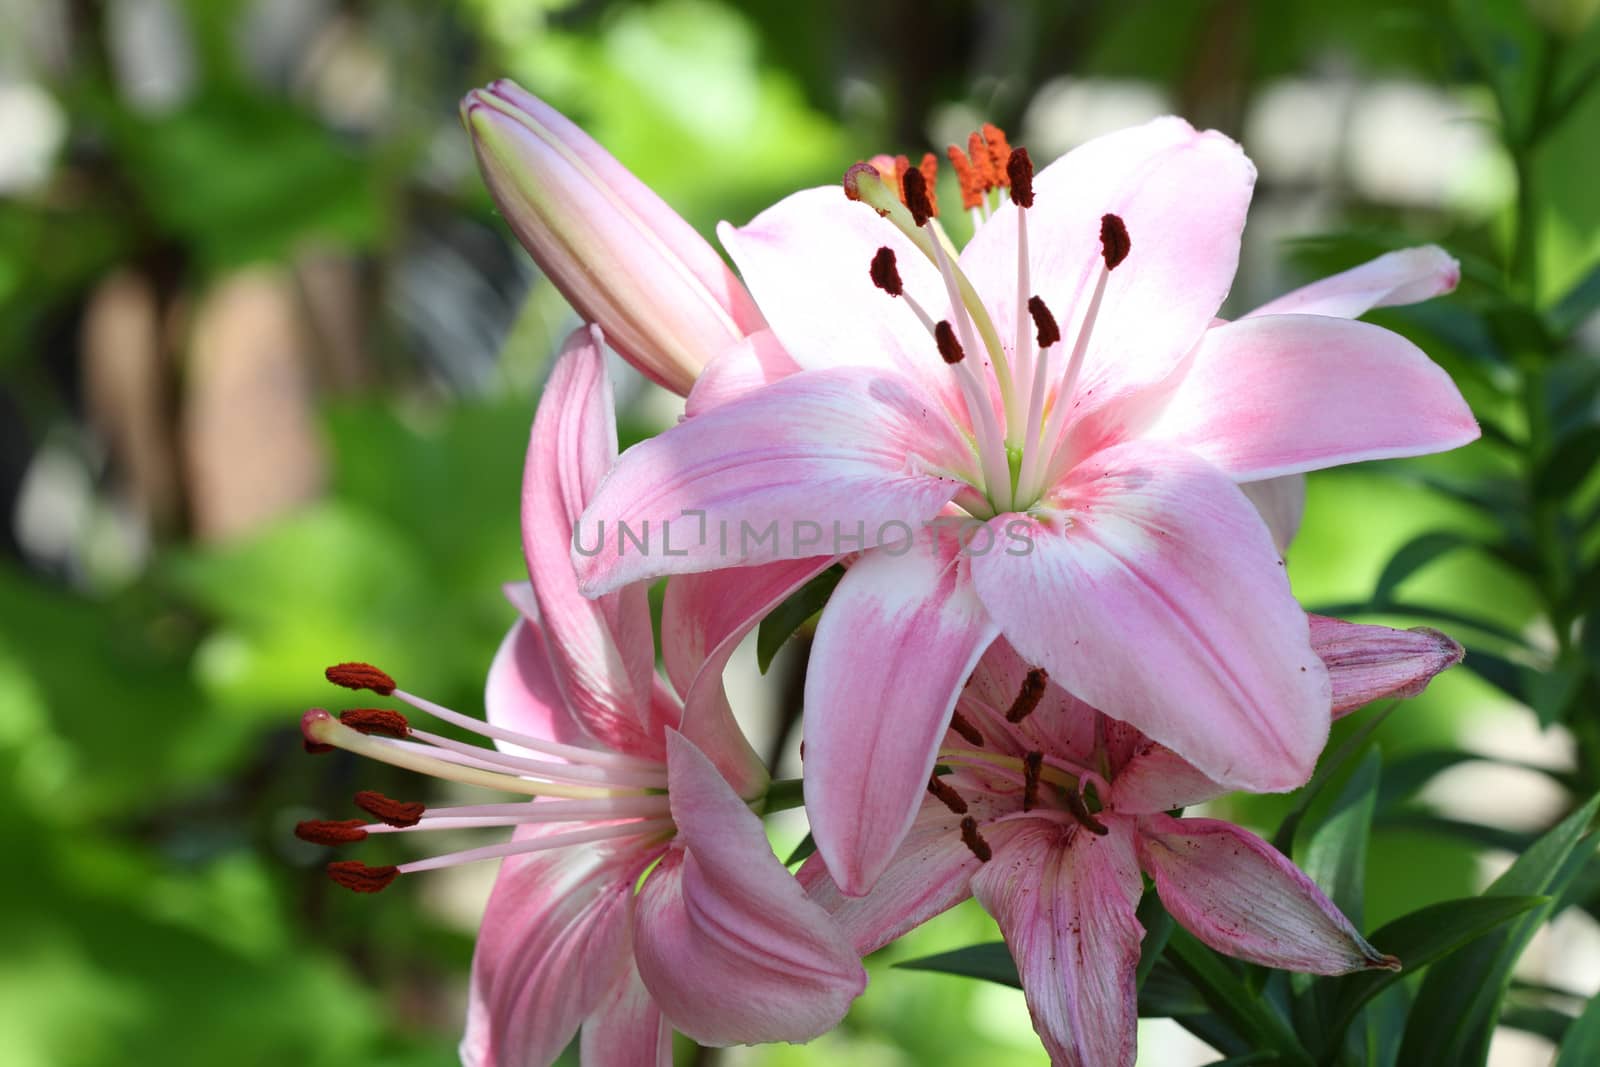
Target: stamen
1028, 698
359, 878
1019, 169
1032, 764
950, 349
360, 676
901, 165
852, 183
885, 275
947, 795
918, 202
1044, 322
982, 163
967, 176
1114, 243
571, 753
330, 832
539, 844
1080, 811
929, 168
994, 139
520, 813
969, 732
974, 840
386, 809
379, 721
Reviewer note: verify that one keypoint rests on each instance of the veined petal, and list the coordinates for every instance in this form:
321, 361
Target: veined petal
617, 252
554, 940
1065, 900
1154, 594
1060, 723
1408, 276
756, 361
602, 649
1367, 663
1182, 195
627, 1030
782, 473
520, 693
1157, 779
1282, 394
1243, 897
1282, 504
725, 938
893, 648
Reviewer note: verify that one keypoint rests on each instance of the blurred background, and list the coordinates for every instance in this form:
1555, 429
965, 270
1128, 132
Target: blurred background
268, 360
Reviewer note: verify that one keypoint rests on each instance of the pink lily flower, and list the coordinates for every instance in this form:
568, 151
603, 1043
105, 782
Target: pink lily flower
638, 893
623, 258
1048, 813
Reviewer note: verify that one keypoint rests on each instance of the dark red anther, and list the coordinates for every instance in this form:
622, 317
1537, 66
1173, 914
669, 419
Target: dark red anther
1043, 322
929, 168
331, 832
386, 809
949, 348
1032, 766
1085, 817
359, 878
360, 676
967, 177
380, 721
1029, 696
885, 275
1114, 243
1019, 169
947, 795
959, 723
974, 840
917, 200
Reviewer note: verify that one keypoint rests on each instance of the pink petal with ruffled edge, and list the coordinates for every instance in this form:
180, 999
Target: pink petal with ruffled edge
1155, 595
1243, 897
1065, 901
627, 1030
1408, 276
725, 939
1283, 394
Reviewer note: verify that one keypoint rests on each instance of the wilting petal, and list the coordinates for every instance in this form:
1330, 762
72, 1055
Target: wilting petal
782, 473
627, 1030
554, 939
1155, 595
756, 361
1065, 900
1157, 779
602, 649
520, 693
1366, 663
620, 255
1408, 276
1243, 897
1281, 394
893, 648
930, 874
1282, 503
703, 619
725, 938
1158, 302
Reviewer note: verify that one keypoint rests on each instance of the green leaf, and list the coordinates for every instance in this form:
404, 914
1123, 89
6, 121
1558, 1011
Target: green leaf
1457, 1006
1255, 1020
804, 849
1548, 1023
1427, 823
990, 961
1566, 468
1419, 938
1283, 840
781, 623
1581, 1048
1414, 555
1157, 923
1335, 856
1404, 775
1166, 994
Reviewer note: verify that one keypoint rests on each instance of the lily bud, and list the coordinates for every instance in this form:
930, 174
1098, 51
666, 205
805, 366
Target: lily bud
1366, 663
624, 259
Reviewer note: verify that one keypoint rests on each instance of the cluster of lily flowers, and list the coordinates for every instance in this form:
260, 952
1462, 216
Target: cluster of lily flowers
1023, 725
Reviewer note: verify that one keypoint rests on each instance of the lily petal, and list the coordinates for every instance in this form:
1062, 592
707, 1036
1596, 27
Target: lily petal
1282, 503
894, 646
781, 473
521, 694
756, 361
1155, 594
726, 940
1408, 276
1157, 779
1367, 663
1282, 394
1243, 897
627, 1030
1065, 901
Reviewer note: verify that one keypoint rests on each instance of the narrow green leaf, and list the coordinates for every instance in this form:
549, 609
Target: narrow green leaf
1283, 840
1413, 556
781, 623
1404, 775
1457, 1006
1430, 612
1245, 1060
805, 848
1548, 1023
1336, 854
1581, 301
1425, 822
1164, 993
1569, 465
1157, 923
1225, 991
1581, 1048
990, 961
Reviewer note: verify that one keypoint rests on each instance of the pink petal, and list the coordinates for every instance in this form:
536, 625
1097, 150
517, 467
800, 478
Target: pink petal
1065, 900
1155, 595
1060, 723
848, 456
1408, 276
1241, 896
520, 693
1157, 779
756, 361
602, 649
617, 252
893, 648
554, 940
1281, 394
930, 874
1367, 663
627, 1030
703, 619
1182, 196
725, 938
1282, 503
